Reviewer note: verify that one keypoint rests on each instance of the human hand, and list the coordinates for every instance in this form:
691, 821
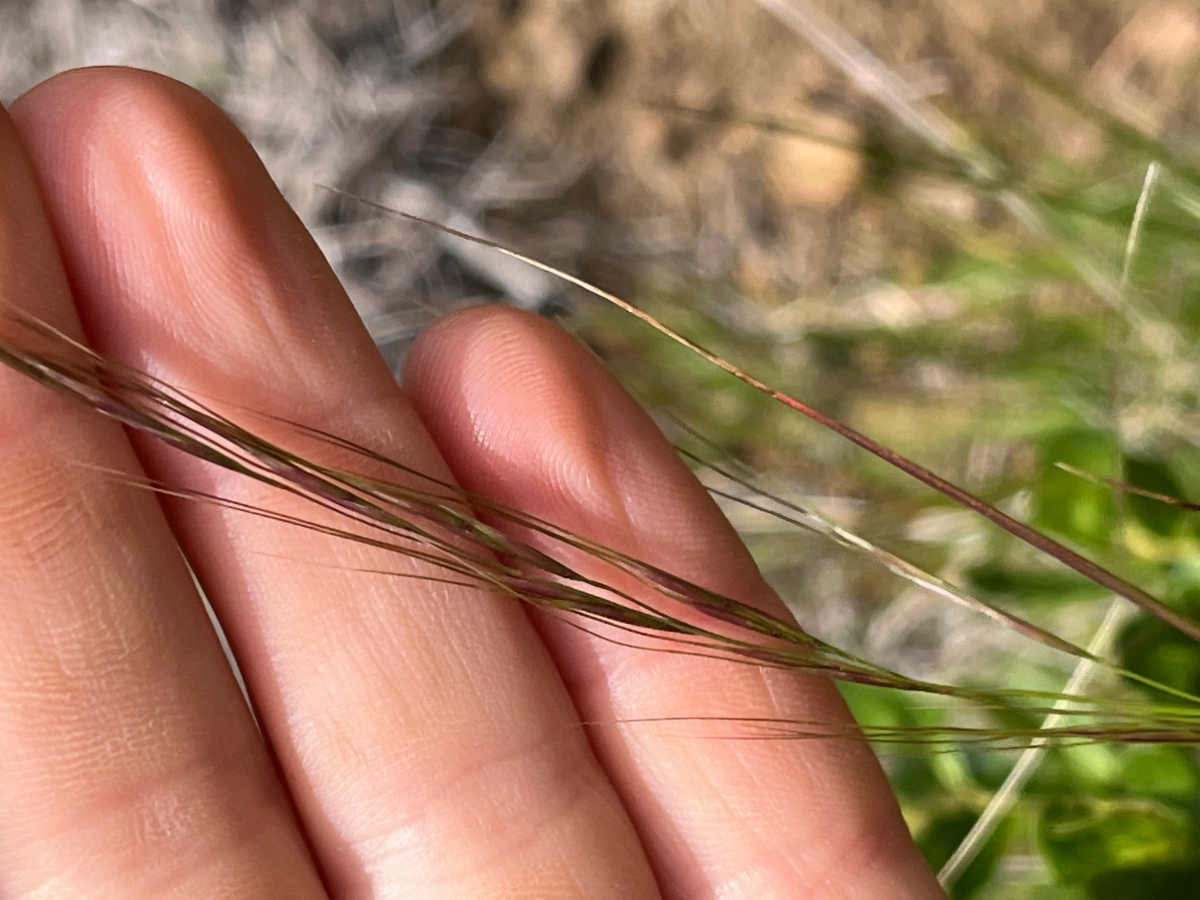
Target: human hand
418, 739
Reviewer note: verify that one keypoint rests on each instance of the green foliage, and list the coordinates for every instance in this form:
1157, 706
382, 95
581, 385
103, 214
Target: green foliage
1080, 512
941, 837
1009, 350
1155, 475
1129, 849
1153, 649
1167, 773
994, 578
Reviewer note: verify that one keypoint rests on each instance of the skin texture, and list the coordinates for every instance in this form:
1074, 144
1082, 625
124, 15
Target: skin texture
417, 739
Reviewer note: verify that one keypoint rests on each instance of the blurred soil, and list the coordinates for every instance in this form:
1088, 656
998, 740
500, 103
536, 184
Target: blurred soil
709, 134
699, 136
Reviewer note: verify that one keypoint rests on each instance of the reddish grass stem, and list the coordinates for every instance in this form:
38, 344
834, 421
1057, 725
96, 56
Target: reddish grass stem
1018, 529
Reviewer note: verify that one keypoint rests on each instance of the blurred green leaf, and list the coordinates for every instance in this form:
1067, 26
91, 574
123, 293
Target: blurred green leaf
1168, 772
1156, 650
1094, 766
1058, 892
1154, 475
1147, 883
997, 578
1071, 506
1087, 838
941, 837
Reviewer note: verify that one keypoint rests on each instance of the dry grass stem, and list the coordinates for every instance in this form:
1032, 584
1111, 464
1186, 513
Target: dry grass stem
452, 530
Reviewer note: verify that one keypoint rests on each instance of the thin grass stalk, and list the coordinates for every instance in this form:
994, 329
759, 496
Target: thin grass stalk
1031, 757
812, 519
952, 143
389, 516
1115, 618
1127, 488
876, 79
1036, 539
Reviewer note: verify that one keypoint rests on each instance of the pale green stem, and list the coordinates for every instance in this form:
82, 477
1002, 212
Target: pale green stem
1031, 757
1119, 612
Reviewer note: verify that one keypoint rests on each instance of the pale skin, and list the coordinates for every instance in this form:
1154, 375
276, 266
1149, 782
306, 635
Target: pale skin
418, 740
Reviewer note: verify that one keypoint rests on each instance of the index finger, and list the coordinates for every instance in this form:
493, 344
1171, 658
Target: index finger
424, 735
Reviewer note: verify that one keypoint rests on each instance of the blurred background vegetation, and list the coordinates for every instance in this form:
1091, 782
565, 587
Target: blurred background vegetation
913, 215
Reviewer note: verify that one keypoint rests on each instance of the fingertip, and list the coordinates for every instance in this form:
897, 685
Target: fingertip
89, 97
127, 161
499, 386
177, 242
528, 417
81, 124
